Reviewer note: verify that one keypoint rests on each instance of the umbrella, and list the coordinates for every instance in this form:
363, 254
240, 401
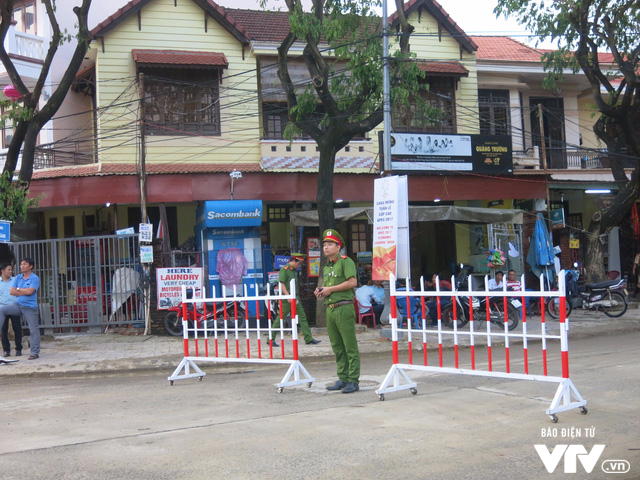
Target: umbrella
540, 256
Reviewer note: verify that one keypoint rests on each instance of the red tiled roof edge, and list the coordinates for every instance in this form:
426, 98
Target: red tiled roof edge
178, 57
108, 169
504, 48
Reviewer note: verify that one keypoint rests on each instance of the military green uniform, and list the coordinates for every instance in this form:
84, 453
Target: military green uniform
286, 274
341, 320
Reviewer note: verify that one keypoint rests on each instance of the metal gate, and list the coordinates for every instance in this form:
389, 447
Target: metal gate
86, 283
508, 238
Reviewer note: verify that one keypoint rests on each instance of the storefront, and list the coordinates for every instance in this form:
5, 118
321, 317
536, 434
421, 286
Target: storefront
443, 236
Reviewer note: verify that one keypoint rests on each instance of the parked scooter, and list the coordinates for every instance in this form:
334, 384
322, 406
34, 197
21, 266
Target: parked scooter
609, 296
479, 307
215, 319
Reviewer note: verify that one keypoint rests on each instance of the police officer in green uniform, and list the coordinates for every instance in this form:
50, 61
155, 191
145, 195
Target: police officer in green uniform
287, 273
337, 291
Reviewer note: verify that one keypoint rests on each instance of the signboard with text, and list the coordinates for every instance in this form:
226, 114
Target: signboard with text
390, 228
170, 282
5, 231
450, 153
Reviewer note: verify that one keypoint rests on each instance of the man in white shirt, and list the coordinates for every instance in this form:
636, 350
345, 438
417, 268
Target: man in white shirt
496, 283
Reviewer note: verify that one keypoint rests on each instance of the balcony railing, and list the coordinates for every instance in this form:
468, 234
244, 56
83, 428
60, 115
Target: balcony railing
562, 159
24, 44
48, 157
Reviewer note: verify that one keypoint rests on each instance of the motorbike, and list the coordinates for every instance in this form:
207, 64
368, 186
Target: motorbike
496, 308
609, 296
215, 319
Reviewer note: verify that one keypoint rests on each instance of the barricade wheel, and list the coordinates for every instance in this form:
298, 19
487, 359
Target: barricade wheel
583, 410
171, 383
381, 397
414, 391
309, 384
553, 418
280, 389
199, 379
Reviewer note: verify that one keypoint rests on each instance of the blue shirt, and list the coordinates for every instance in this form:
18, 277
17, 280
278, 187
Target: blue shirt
27, 300
5, 287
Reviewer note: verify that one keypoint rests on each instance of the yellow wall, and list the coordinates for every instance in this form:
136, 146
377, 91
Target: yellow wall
116, 73
586, 109
240, 139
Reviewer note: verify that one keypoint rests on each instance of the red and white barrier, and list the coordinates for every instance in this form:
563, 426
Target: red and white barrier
212, 340
534, 364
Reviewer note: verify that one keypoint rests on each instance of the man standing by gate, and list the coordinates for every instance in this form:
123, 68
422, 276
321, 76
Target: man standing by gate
287, 273
339, 280
25, 288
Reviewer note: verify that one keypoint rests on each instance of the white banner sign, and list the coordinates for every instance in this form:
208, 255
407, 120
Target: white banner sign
170, 282
390, 228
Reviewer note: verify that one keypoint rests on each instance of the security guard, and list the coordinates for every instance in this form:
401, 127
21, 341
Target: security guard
287, 273
339, 281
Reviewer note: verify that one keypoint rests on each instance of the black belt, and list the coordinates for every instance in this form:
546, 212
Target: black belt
339, 304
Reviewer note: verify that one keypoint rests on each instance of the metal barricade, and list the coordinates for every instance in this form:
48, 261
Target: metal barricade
397, 379
219, 329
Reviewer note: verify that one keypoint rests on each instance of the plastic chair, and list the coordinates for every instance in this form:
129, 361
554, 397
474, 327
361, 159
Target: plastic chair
416, 310
368, 316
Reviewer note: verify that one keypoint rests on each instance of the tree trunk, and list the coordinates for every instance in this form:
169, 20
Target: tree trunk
326, 216
593, 264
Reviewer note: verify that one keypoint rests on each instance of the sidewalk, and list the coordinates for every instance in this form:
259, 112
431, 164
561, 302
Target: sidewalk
113, 352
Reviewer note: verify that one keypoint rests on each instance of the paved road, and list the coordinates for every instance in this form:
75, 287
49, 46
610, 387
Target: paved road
234, 425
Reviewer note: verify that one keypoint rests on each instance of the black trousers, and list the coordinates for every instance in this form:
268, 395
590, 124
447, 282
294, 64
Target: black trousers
16, 322
377, 311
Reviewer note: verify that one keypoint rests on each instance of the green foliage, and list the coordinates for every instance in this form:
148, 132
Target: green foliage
13, 199
14, 112
349, 37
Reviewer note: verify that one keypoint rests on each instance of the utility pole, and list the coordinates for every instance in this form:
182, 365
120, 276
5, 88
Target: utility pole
143, 153
143, 206
543, 152
386, 94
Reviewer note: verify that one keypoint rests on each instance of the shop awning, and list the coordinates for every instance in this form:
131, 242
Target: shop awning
179, 59
420, 214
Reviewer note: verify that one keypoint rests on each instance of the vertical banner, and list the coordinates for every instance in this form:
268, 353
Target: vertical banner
390, 228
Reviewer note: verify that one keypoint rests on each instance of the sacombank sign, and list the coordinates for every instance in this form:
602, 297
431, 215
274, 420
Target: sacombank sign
241, 214
231, 213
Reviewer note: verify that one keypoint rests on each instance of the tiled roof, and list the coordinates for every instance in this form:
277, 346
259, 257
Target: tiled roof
505, 48
443, 68
508, 49
178, 57
264, 26
295, 163
151, 168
